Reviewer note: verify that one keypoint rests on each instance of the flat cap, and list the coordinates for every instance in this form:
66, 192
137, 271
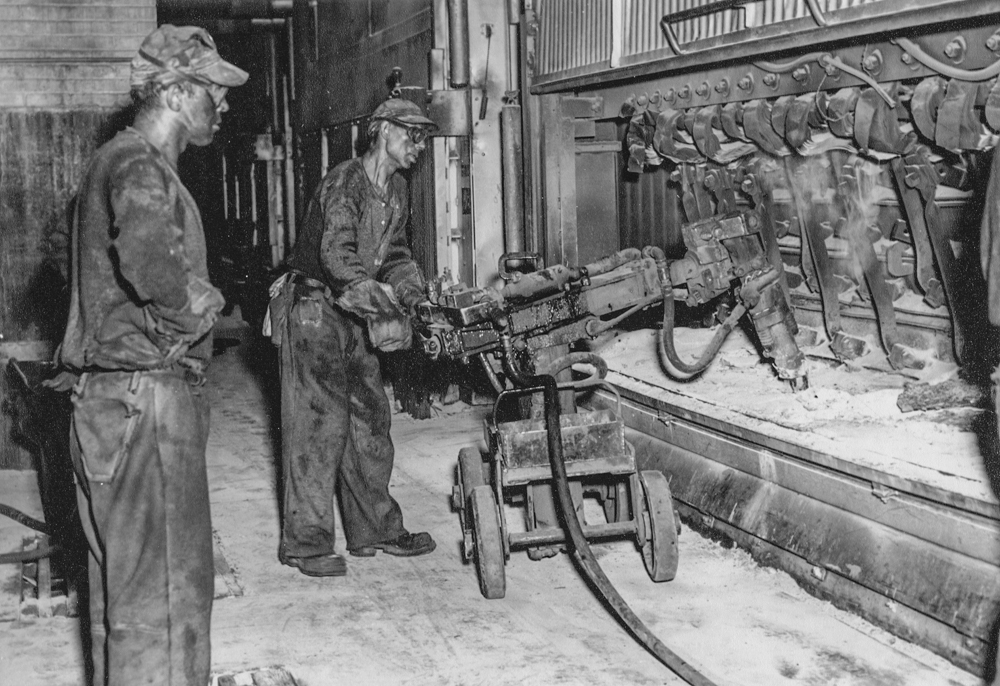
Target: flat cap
402, 112
183, 53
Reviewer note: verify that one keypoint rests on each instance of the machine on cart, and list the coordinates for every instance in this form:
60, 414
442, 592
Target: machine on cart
636, 505
529, 326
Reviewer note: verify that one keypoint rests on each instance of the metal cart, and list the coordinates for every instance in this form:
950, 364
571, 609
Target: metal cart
636, 504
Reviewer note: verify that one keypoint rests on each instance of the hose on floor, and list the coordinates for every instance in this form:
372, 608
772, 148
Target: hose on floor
21, 518
582, 553
32, 523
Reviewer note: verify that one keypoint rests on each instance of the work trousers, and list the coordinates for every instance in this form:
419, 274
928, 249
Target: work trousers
138, 447
335, 420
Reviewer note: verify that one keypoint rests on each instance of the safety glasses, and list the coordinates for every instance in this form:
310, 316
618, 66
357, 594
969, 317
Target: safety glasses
216, 93
417, 134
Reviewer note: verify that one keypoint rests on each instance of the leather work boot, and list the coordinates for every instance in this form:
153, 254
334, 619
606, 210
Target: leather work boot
320, 565
404, 545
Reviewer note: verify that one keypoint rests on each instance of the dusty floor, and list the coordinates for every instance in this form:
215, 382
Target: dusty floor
849, 410
423, 620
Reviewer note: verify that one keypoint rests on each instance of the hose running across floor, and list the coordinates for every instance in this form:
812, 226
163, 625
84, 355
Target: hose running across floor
581, 549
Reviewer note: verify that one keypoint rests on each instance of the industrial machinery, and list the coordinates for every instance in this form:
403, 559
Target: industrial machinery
529, 325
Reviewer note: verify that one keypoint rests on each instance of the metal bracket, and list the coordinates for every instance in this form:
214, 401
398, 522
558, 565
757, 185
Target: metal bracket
450, 111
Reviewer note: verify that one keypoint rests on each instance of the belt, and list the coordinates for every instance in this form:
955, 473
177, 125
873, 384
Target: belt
301, 279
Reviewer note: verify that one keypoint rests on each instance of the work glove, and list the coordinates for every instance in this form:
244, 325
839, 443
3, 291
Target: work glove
388, 323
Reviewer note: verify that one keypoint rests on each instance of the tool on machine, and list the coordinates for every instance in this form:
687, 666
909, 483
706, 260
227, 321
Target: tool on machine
551, 309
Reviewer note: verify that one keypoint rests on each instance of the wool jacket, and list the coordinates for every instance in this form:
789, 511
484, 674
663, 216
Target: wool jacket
352, 236
140, 298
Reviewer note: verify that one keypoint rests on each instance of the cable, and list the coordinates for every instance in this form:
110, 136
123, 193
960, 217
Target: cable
984, 74
839, 64
785, 67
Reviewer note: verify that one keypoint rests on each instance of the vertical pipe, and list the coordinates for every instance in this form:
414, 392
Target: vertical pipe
225, 190
458, 49
236, 193
289, 170
273, 80
513, 174
324, 153
291, 55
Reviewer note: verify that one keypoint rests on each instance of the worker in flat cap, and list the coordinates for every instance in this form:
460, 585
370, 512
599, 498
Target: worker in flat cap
350, 292
138, 338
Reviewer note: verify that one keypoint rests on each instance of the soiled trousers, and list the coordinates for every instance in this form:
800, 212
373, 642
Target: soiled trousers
138, 446
335, 420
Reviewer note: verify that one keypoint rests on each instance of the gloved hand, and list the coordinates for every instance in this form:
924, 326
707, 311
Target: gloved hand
388, 324
371, 298
390, 333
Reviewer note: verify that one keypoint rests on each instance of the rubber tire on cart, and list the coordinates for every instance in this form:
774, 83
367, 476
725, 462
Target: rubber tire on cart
489, 545
659, 550
616, 502
470, 470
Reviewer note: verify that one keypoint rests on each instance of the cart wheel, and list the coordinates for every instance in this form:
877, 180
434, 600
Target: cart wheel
616, 502
489, 545
659, 549
470, 470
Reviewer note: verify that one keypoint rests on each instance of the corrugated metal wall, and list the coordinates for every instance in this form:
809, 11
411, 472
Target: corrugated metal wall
573, 34
579, 36
649, 211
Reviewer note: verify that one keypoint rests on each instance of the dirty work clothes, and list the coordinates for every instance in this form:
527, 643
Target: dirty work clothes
141, 300
335, 420
352, 233
139, 453
140, 292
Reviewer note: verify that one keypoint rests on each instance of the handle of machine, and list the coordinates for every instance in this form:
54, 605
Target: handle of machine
595, 379
509, 257
719, 6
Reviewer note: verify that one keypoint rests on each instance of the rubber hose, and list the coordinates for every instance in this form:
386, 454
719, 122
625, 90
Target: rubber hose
28, 555
490, 374
568, 360
584, 556
669, 358
582, 553
21, 518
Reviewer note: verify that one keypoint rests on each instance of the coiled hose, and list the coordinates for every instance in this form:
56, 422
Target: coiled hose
671, 361
582, 553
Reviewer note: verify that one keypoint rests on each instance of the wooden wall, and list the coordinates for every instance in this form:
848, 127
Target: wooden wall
64, 71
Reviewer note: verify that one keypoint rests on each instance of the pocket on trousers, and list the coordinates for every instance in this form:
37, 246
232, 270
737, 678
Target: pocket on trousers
310, 311
104, 428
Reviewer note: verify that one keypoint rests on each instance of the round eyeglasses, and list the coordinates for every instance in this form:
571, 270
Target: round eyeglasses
417, 134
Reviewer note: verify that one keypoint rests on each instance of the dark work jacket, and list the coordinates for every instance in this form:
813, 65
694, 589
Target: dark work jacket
351, 234
140, 297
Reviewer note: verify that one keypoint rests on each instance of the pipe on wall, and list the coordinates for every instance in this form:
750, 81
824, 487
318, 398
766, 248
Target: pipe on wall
513, 175
458, 39
218, 9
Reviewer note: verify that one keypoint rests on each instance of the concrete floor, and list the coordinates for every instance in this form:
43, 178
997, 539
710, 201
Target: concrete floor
423, 621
